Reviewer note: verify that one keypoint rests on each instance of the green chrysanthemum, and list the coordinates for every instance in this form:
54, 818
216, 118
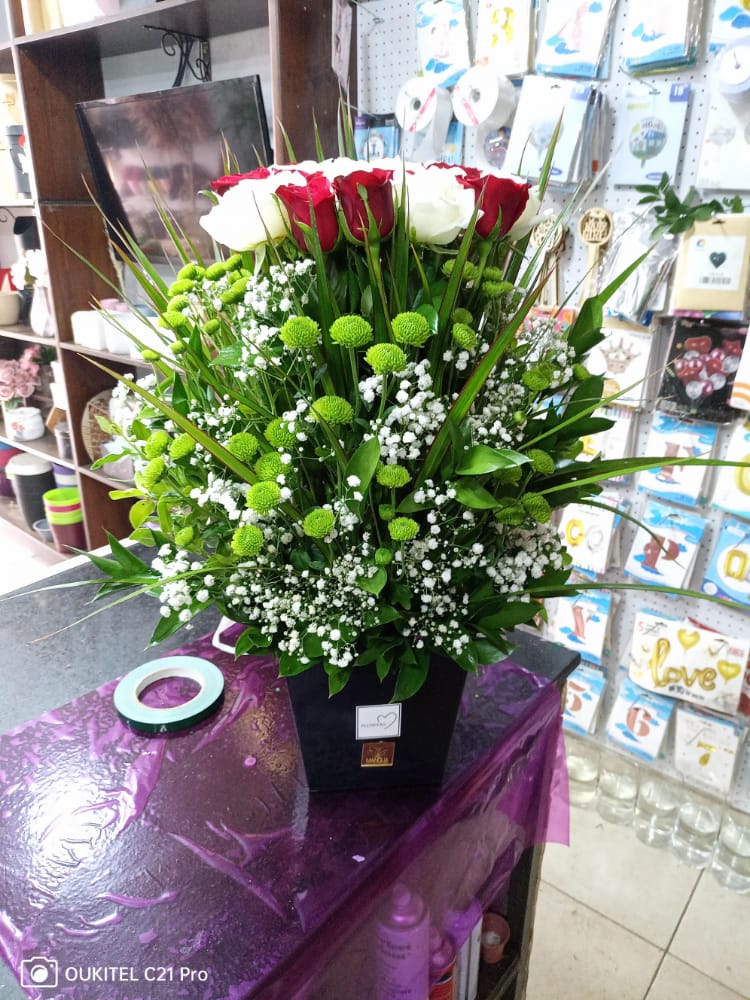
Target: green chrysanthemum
536, 506
392, 476
278, 434
300, 332
149, 355
177, 303
184, 536
211, 326
216, 271
269, 466
384, 359
180, 286
493, 274
469, 272
462, 316
351, 331
318, 523
263, 497
247, 540
386, 511
411, 328
333, 409
181, 447
152, 473
541, 461
173, 320
234, 262
244, 445
190, 271
464, 336
235, 292
403, 529
178, 346
495, 289
580, 373
512, 514
383, 557
157, 444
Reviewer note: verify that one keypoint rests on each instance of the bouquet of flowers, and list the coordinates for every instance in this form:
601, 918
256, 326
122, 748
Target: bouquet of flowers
356, 434
19, 377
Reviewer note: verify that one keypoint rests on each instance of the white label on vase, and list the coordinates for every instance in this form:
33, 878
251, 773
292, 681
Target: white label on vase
376, 722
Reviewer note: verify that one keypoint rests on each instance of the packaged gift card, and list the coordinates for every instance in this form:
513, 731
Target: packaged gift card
665, 547
589, 533
678, 658
701, 367
674, 439
740, 398
624, 359
505, 36
659, 35
442, 40
728, 573
732, 485
584, 691
706, 748
744, 708
613, 443
730, 23
582, 623
648, 133
574, 39
712, 265
639, 720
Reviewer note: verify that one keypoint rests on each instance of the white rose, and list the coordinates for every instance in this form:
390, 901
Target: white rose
439, 207
249, 214
529, 217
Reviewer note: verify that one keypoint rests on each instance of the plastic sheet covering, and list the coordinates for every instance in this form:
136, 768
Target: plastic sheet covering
197, 864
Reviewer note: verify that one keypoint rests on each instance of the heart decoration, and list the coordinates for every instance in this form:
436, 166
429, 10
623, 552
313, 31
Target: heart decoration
688, 639
387, 720
717, 259
728, 670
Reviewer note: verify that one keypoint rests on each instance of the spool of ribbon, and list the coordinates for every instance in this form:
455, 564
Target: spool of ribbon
158, 720
482, 98
424, 113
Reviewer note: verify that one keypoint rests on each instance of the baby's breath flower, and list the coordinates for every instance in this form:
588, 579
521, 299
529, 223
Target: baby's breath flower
393, 476
269, 466
464, 336
333, 409
263, 497
243, 445
157, 444
384, 359
300, 331
351, 331
247, 540
181, 447
319, 523
403, 529
411, 328
277, 433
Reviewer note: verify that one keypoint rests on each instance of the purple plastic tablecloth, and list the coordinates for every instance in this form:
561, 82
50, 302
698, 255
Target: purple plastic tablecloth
198, 864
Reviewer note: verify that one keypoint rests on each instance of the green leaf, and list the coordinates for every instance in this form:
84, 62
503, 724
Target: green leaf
290, 664
313, 646
125, 559
512, 614
373, 584
228, 357
166, 627
481, 459
140, 512
468, 658
430, 313
409, 680
363, 463
125, 494
490, 652
474, 495
338, 678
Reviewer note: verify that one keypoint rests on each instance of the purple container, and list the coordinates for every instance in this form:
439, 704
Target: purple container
403, 947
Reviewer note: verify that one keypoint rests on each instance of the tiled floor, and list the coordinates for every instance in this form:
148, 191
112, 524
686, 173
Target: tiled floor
616, 920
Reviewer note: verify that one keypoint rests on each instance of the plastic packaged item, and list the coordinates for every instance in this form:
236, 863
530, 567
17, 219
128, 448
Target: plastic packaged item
465, 927
88, 329
442, 966
403, 947
62, 437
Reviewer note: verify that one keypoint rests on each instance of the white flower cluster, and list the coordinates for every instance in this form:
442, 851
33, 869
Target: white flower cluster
545, 341
176, 594
494, 422
529, 553
410, 425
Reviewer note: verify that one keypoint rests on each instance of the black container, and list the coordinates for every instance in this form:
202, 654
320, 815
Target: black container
344, 747
31, 478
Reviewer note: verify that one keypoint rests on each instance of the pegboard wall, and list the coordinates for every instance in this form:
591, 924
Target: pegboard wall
387, 58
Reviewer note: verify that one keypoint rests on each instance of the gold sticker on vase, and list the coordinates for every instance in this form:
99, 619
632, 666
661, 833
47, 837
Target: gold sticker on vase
379, 754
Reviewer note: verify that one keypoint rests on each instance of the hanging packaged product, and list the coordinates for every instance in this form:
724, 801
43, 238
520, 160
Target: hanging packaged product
706, 749
732, 483
728, 573
665, 547
661, 36
589, 533
482, 98
582, 623
638, 720
740, 398
648, 133
623, 357
505, 36
376, 137
712, 267
724, 163
614, 443
730, 23
677, 439
701, 366
584, 691
442, 40
574, 39
644, 293
678, 658
424, 113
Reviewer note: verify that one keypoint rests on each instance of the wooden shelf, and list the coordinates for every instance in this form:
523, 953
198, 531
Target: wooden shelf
92, 352
44, 447
26, 334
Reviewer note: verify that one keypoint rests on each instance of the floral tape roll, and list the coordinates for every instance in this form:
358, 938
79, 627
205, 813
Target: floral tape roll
481, 97
424, 113
733, 72
147, 719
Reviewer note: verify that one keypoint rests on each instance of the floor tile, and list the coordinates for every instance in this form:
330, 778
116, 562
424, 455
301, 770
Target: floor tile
599, 871
676, 979
580, 955
713, 935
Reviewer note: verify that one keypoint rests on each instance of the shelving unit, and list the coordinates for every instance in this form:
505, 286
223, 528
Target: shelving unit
57, 69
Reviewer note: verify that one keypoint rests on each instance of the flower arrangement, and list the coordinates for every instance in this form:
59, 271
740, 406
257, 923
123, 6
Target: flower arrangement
356, 434
20, 377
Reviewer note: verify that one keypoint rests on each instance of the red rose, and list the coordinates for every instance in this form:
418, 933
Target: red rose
302, 201
222, 184
379, 198
498, 197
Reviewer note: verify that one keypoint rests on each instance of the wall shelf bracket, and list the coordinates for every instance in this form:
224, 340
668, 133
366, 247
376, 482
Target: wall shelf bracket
194, 53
